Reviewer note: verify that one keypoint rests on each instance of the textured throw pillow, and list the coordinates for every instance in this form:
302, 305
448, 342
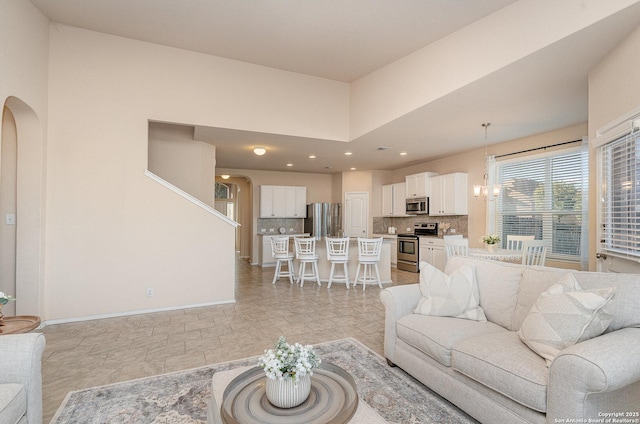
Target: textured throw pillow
454, 295
564, 315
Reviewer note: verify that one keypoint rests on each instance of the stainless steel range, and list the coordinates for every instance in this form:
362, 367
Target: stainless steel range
409, 245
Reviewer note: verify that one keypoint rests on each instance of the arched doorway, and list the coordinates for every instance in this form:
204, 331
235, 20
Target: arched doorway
23, 131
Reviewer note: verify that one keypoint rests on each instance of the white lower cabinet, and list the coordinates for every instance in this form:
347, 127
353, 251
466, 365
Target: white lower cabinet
432, 251
265, 254
394, 252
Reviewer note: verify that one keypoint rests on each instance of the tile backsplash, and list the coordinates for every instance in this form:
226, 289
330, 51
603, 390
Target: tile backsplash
271, 225
459, 223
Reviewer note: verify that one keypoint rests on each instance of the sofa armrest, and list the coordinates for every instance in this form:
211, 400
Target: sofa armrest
600, 375
22, 363
398, 302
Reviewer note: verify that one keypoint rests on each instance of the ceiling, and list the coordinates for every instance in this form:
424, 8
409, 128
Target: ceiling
344, 40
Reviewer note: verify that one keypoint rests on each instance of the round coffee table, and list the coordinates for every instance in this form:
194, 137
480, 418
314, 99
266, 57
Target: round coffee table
19, 324
333, 399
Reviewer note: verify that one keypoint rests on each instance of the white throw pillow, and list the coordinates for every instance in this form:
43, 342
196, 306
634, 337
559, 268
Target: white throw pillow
564, 315
454, 295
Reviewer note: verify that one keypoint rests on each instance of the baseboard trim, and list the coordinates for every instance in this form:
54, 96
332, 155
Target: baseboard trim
138, 312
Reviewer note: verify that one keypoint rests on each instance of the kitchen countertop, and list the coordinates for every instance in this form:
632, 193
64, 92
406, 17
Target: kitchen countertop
386, 235
285, 234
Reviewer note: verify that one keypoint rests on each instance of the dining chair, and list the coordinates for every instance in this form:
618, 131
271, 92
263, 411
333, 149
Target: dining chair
515, 242
280, 251
306, 254
338, 253
368, 257
456, 247
534, 252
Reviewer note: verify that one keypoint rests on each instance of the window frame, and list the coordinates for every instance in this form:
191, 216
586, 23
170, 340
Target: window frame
548, 214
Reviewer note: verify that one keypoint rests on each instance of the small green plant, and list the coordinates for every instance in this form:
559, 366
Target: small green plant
490, 239
286, 360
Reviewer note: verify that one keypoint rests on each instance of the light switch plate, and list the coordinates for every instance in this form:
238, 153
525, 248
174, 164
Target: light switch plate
10, 219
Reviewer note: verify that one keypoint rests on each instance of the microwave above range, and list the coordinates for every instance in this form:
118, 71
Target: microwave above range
417, 206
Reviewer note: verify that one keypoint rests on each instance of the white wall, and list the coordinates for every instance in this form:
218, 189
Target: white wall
24, 43
112, 232
467, 55
614, 89
186, 163
8, 184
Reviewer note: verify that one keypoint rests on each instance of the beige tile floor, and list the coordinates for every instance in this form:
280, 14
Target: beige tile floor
91, 353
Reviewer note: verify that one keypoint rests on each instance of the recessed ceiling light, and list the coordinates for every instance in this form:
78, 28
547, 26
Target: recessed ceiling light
225, 177
403, 153
353, 169
289, 164
259, 151
348, 153
312, 156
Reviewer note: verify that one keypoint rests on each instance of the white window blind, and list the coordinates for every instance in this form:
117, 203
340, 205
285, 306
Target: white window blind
543, 197
620, 164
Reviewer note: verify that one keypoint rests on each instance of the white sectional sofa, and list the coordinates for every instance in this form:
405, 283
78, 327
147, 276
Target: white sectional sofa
21, 378
486, 370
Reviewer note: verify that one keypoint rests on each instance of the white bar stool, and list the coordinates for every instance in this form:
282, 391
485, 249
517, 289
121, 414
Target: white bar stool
368, 257
280, 251
338, 253
306, 254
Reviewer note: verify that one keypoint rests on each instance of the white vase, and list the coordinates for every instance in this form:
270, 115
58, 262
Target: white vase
286, 394
491, 248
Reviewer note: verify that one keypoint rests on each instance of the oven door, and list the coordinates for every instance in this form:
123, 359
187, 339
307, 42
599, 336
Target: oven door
408, 249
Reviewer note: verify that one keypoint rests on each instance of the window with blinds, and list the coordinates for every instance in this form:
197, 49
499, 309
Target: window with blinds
543, 197
620, 227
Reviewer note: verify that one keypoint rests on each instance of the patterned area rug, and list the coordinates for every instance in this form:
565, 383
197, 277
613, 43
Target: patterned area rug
183, 397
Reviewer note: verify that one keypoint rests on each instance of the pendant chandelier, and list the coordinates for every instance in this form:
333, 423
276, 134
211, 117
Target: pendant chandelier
486, 191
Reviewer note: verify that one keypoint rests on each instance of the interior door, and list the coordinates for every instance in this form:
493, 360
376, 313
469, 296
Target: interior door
356, 214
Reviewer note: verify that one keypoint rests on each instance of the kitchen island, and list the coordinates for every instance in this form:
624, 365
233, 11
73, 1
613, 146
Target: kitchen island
324, 266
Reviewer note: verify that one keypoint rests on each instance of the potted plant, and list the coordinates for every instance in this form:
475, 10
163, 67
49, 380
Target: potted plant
490, 240
288, 369
4, 299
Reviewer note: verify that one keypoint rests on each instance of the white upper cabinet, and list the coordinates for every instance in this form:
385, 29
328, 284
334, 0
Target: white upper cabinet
417, 185
394, 199
283, 202
296, 202
448, 194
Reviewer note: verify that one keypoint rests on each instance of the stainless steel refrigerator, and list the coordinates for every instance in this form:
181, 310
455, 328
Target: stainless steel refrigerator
323, 219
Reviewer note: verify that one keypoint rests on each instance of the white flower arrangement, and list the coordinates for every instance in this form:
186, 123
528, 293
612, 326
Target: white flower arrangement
286, 360
6, 298
490, 239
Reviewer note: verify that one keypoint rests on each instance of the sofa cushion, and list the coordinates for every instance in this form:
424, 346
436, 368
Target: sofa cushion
13, 402
435, 336
454, 295
565, 315
535, 280
624, 303
503, 363
498, 286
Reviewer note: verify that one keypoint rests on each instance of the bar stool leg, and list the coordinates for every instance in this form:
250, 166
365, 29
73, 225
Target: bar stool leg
333, 265
277, 271
291, 270
346, 274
